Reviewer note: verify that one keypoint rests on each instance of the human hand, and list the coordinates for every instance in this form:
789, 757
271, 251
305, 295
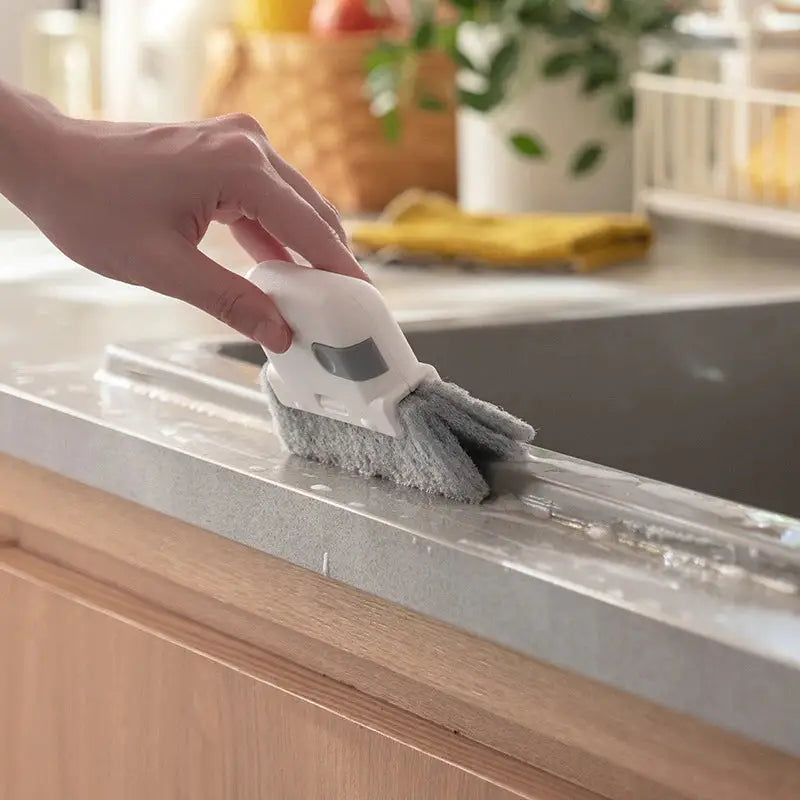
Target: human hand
133, 201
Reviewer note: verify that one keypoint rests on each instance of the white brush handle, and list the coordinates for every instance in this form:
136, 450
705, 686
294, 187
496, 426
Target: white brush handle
348, 359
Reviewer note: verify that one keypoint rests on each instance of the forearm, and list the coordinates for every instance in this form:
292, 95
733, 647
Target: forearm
26, 138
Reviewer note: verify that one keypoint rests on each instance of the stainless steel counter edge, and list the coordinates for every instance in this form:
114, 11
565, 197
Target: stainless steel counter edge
736, 689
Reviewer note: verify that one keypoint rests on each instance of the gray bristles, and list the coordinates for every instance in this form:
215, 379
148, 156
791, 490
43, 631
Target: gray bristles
447, 434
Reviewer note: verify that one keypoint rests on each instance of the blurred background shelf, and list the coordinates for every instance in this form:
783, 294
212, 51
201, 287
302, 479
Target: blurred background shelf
720, 140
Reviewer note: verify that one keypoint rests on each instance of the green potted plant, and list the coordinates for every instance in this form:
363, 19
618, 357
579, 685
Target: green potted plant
544, 99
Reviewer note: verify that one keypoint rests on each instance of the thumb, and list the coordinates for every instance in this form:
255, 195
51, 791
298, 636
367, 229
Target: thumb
230, 298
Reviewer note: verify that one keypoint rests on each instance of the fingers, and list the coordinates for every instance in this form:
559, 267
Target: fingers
290, 218
282, 201
303, 187
259, 244
290, 175
232, 299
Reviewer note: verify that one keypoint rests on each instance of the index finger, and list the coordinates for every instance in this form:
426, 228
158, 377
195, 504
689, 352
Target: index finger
306, 190
298, 226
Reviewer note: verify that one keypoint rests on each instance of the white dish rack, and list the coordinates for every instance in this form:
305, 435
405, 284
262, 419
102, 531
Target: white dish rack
719, 152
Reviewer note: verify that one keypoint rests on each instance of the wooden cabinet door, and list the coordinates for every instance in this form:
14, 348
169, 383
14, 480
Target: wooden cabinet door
103, 696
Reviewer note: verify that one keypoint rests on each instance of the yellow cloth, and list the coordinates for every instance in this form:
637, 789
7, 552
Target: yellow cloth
273, 16
426, 224
774, 164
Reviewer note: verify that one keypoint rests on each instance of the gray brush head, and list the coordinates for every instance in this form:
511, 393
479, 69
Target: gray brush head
447, 435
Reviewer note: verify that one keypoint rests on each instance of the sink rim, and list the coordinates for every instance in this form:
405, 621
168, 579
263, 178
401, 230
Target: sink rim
195, 367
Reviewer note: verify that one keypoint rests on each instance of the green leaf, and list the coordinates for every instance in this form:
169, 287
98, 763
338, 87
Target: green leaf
603, 55
624, 107
502, 67
391, 125
446, 37
504, 62
620, 14
587, 158
665, 67
527, 145
480, 102
385, 54
463, 61
559, 63
424, 34
383, 78
593, 82
575, 24
602, 67
533, 12
427, 102
661, 19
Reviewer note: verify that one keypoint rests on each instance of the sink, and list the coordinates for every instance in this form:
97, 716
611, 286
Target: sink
701, 398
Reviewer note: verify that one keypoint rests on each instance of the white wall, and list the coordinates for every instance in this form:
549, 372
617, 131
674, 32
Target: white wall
13, 13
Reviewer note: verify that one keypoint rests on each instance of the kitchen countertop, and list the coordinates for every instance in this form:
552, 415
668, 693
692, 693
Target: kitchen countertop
533, 569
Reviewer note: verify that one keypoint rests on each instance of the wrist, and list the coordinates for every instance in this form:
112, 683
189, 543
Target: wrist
28, 127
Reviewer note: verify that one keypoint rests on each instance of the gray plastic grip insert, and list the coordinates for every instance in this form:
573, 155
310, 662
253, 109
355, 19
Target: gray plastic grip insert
358, 362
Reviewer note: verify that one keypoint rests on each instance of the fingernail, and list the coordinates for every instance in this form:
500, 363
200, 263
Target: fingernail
273, 335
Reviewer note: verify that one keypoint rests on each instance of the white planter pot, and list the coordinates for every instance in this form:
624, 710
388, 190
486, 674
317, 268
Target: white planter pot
493, 177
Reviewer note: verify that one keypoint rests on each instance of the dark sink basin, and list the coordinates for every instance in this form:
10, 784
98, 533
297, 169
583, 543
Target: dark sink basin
700, 398
703, 398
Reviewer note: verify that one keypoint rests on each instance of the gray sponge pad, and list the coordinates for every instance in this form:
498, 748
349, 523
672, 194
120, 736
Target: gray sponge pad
447, 435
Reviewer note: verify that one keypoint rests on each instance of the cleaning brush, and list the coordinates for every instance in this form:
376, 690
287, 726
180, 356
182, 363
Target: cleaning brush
350, 392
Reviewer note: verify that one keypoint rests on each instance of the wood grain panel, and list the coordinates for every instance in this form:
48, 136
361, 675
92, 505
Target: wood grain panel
106, 696
589, 734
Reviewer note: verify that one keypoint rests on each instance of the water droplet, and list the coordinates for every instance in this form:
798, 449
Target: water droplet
791, 537
597, 531
730, 570
776, 584
320, 487
541, 508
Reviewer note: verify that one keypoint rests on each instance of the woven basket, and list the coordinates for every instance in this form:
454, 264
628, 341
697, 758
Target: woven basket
309, 95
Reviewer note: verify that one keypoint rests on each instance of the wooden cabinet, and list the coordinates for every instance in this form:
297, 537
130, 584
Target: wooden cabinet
143, 658
102, 698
